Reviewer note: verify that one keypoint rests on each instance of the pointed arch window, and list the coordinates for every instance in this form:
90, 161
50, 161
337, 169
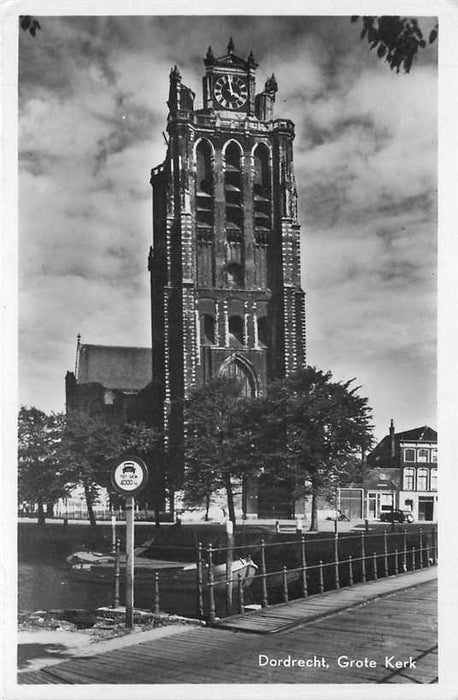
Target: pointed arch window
204, 185
262, 191
238, 367
233, 188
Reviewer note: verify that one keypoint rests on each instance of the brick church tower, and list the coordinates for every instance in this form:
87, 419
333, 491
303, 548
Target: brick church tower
226, 295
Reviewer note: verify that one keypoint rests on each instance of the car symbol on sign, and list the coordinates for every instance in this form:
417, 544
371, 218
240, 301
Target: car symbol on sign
128, 468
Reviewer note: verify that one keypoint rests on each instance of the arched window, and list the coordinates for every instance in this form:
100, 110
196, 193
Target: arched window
236, 331
204, 179
261, 167
242, 370
233, 190
434, 479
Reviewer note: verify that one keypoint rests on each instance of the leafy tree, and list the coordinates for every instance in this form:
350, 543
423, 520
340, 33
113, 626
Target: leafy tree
29, 24
219, 425
88, 444
397, 39
39, 477
311, 430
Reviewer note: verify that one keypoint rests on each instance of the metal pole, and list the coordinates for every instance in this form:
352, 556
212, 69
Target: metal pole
385, 554
350, 570
156, 593
404, 558
320, 570
129, 562
265, 601
363, 558
428, 563
396, 564
241, 597
229, 556
211, 592
116, 573
336, 559
421, 548
413, 558
304, 568
285, 585
200, 596
375, 566
113, 531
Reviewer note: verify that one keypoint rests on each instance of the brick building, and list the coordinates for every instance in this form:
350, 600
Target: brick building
226, 294
402, 470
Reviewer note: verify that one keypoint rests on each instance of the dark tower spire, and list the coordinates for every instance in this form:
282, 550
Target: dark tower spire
230, 46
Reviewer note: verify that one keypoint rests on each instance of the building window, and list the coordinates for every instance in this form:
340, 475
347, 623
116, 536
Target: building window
409, 455
434, 479
422, 455
409, 479
434, 455
422, 479
207, 329
236, 331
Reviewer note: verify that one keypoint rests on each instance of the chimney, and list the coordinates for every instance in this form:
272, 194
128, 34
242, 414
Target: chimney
392, 440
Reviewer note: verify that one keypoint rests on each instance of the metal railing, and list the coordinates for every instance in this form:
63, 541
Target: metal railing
372, 556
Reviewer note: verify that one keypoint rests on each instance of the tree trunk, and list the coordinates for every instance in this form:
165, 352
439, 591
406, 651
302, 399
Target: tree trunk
90, 510
230, 498
207, 506
314, 513
157, 518
41, 514
50, 510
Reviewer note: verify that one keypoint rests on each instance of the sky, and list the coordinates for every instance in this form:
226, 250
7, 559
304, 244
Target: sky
92, 109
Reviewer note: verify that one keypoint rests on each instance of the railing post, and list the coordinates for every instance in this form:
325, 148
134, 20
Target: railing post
428, 563
200, 594
336, 559
116, 573
211, 592
396, 562
304, 568
374, 559
404, 558
320, 570
350, 570
385, 554
156, 593
285, 585
241, 597
363, 558
265, 601
421, 548
413, 558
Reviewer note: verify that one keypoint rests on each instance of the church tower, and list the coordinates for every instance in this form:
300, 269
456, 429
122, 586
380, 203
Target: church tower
226, 295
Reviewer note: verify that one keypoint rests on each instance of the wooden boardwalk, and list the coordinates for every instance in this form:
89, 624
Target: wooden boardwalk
401, 626
284, 616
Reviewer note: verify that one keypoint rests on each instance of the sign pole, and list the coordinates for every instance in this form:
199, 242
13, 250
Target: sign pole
129, 476
129, 562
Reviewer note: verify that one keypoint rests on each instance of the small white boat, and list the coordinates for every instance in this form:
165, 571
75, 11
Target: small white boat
242, 570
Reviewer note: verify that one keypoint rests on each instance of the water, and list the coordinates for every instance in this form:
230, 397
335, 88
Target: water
49, 586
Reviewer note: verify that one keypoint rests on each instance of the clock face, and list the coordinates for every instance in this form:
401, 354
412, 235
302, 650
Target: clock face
230, 91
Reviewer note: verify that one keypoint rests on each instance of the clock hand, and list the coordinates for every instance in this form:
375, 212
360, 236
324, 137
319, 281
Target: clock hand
229, 82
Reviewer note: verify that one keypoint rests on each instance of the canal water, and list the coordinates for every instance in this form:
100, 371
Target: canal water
49, 586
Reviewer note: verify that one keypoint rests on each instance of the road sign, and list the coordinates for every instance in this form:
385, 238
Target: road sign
129, 475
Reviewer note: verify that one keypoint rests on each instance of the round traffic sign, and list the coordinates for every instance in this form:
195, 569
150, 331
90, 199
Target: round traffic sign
129, 475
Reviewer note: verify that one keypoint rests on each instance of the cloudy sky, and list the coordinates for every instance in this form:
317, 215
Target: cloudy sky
92, 94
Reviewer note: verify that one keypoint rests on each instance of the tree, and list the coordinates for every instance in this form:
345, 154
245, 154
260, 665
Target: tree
219, 424
88, 445
29, 24
397, 39
311, 430
39, 477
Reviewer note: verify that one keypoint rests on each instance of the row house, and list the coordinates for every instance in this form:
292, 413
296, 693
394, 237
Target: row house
402, 473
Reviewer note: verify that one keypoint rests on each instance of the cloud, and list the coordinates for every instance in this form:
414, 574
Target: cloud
93, 94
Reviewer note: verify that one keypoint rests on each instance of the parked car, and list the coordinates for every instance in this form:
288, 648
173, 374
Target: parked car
397, 516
